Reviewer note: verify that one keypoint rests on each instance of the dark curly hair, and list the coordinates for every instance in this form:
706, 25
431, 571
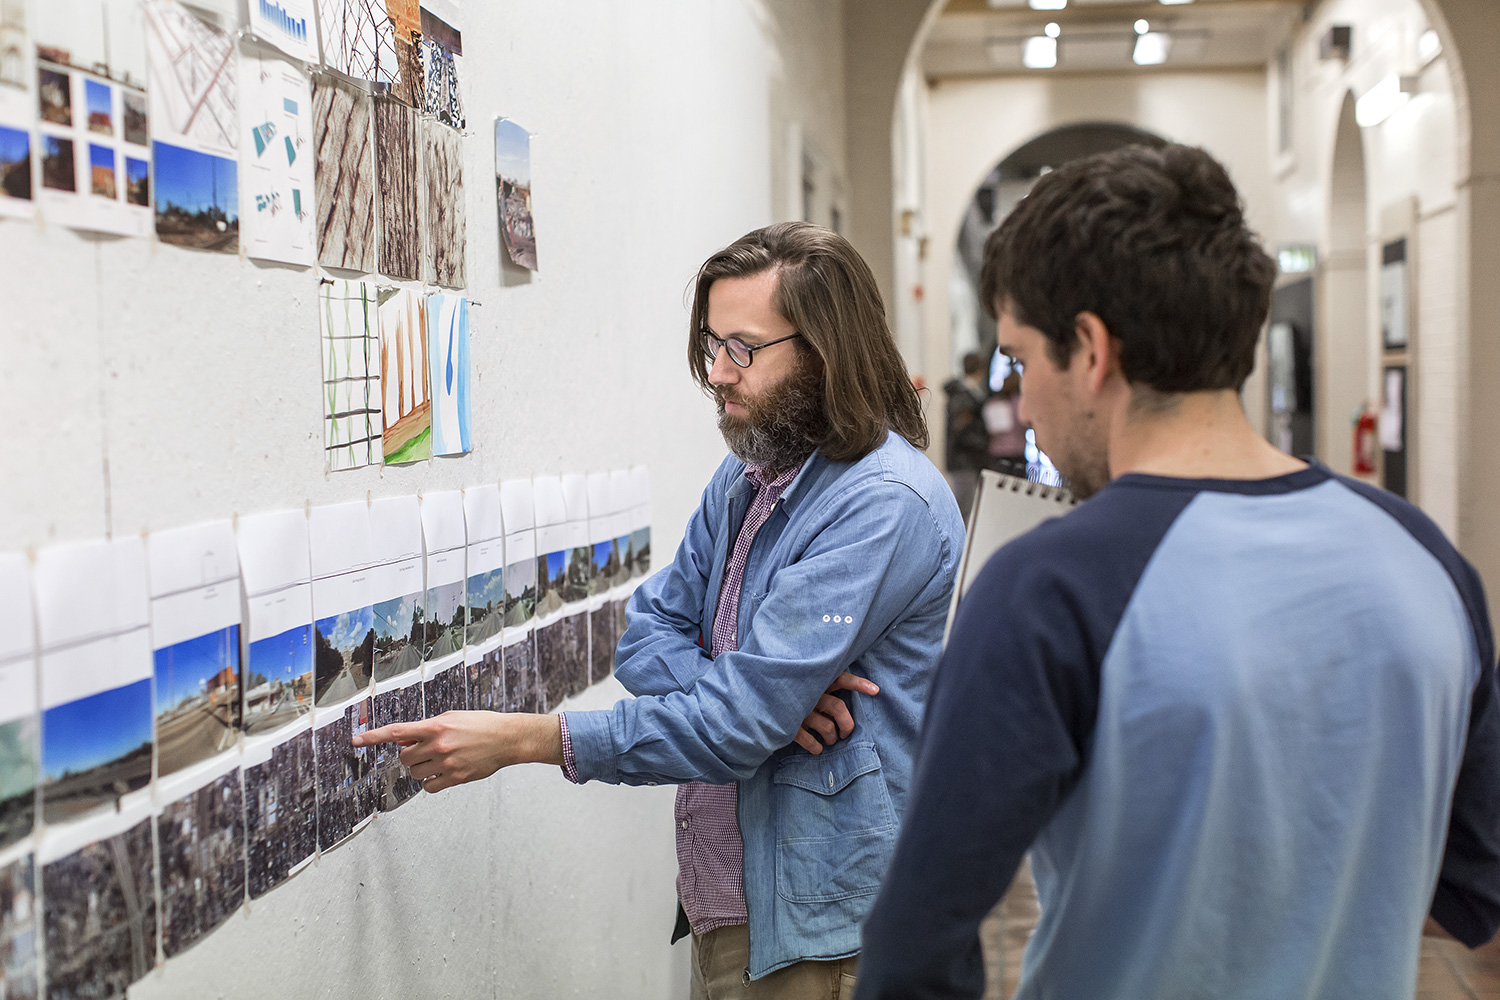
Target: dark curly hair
1152, 241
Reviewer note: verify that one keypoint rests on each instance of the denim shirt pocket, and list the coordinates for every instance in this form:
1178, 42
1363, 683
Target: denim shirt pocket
835, 826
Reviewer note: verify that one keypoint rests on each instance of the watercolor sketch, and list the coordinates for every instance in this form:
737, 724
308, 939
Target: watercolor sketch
406, 408
448, 373
197, 699
99, 923
345, 177
442, 206
351, 373
513, 191
396, 175
95, 749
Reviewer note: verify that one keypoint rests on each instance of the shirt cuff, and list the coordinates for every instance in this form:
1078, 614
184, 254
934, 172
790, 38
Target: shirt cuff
569, 764
589, 745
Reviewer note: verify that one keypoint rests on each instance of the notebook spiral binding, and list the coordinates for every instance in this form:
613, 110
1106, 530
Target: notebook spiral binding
1057, 494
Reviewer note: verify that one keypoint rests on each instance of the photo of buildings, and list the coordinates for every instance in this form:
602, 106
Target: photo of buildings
486, 600
513, 191
640, 541
95, 749
55, 96
99, 917
398, 636
137, 182
98, 97
278, 679
281, 814
197, 699
443, 627
202, 864
520, 592
57, 164
343, 655
102, 171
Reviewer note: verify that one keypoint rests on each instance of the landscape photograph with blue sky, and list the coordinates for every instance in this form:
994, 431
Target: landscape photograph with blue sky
95, 748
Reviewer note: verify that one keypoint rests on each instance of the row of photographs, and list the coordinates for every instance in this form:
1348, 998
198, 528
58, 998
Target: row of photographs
112, 910
173, 125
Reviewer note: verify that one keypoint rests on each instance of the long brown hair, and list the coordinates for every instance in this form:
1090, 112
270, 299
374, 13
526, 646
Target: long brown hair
825, 289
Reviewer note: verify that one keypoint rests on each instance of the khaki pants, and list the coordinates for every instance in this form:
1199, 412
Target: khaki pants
721, 962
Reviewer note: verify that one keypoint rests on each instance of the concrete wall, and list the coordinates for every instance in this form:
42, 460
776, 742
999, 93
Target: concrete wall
146, 386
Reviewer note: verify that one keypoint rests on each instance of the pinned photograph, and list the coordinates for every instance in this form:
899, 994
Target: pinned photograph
640, 542
102, 172
520, 592
406, 410
55, 96
486, 601
604, 635
20, 767
445, 691
394, 784
197, 199
137, 182
448, 373
99, 99
58, 172
200, 838
99, 916
606, 566
398, 636
562, 657
487, 683
441, 97
344, 179
513, 191
18, 937
197, 699
278, 679
95, 749
342, 659
443, 626
625, 546
521, 691
281, 813
15, 163
135, 117
552, 581
346, 776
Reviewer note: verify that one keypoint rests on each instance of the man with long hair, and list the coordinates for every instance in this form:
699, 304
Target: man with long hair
1240, 710
814, 576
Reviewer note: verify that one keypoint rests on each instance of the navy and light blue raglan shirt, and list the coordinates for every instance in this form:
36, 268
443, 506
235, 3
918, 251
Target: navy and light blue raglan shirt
1248, 731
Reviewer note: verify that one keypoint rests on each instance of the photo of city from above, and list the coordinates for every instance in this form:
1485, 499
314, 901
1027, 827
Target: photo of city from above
486, 680
94, 750
520, 689
562, 659
443, 625
604, 635
398, 636
278, 679
99, 924
197, 699
393, 783
281, 814
341, 661
520, 592
445, 691
18, 937
200, 839
346, 775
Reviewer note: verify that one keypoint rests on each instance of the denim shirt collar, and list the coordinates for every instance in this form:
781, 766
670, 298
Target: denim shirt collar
744, 484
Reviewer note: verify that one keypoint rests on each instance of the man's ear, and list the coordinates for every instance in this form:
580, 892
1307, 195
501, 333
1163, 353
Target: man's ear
1099, 351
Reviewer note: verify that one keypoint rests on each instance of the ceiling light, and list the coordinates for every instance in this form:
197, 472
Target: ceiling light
1174, 3
1048, 4
1142, 26
1151, 48
1052, 30
1040, 52
1429, 47
1382, 100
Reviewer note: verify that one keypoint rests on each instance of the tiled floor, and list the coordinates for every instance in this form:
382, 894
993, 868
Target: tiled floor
1448, 970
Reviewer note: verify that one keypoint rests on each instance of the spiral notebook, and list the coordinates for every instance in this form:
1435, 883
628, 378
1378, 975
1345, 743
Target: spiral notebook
1005, 507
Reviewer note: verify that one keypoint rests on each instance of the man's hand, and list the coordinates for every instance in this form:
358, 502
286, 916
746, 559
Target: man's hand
457, 747
830, 721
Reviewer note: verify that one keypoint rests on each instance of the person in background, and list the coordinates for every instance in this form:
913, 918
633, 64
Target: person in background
815, 574
1241, 711
1002, 418
968, 442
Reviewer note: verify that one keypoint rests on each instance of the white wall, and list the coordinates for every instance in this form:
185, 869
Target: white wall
973, 124
146, 386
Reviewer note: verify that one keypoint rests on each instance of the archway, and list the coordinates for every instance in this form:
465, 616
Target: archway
1341, 389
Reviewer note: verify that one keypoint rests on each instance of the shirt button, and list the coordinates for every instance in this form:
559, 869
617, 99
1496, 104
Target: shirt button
830, 782
684, 824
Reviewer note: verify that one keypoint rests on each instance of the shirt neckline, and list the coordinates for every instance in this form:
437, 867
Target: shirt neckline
1290, 482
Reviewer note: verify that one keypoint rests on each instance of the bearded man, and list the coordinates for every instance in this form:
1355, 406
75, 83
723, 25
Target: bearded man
815, 574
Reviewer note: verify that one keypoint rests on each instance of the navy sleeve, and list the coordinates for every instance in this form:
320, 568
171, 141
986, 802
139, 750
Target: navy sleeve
1467, 900
1008, 728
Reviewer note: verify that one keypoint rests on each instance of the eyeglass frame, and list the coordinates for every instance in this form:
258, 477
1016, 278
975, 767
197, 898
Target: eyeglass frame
723, 342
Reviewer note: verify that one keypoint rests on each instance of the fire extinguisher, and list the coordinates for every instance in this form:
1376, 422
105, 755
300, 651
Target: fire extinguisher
1364, 441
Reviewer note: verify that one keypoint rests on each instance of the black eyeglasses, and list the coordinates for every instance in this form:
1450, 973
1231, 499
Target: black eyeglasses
740, 352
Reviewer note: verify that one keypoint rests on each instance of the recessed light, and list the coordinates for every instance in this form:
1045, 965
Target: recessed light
1174, 3
1142, 26
1052, 30
1048, 4
1151, 48
1040, 52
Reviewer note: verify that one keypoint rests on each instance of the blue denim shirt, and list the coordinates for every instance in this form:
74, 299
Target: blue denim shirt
853, 571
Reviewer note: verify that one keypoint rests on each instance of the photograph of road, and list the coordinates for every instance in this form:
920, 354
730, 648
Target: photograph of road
15, 163
605, 568
520, 592
487, 683
486, 599
625, 546
640, 541
281, 814
443, 627
513, 191
94, 750
197, 699
398, 636
444, 692
603, 637
346, 776
137, 182
278, 679
393, 783
519, 662
18, 937
99, 917
202, 865
345, 646
564, 578
562, 659
19, 771
197, 199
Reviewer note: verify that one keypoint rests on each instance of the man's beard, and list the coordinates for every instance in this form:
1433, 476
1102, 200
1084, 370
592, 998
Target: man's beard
783, 426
